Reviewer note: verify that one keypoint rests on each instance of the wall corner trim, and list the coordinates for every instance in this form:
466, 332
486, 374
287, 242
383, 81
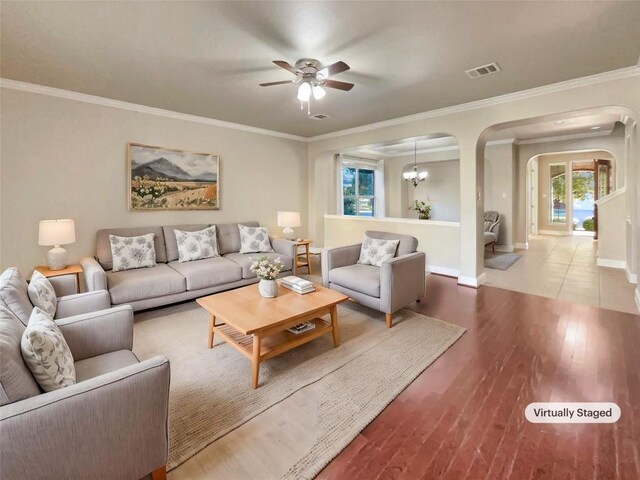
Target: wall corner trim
631, 277
474, 282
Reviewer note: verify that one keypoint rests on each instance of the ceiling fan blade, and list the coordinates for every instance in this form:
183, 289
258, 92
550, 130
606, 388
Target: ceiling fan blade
334, 69
286, 66
270, 84
339, 85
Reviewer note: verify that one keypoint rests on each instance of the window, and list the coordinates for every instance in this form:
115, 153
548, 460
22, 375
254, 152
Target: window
558, 177
358, 191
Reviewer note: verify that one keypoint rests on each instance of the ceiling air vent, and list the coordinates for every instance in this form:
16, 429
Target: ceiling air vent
483, 70
320, 116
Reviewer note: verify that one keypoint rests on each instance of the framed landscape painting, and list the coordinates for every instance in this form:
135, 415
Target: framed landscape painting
166, 179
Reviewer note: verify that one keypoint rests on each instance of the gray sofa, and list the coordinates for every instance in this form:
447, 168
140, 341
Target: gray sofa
90, 429
396, 284
171, 281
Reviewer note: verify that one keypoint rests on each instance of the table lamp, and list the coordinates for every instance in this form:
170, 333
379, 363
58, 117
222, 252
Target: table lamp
55, 233
288, 220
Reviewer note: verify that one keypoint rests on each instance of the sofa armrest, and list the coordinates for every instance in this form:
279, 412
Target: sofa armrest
95, 277
110, 426
92, 334
338, 257
402, 281
64, 285
284, 247
80, 303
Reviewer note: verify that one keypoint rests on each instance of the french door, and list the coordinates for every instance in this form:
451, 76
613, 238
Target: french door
602, 179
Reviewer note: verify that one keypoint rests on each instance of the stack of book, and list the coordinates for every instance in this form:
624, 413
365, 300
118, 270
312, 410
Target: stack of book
297, 284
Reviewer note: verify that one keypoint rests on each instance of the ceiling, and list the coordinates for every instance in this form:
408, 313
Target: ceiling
207, 58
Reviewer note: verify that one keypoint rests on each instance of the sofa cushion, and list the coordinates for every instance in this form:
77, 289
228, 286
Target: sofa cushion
374, 251
246, 259
489, 237
170, 237
144, 283
361, 278
408, 244
16, 381
103, 246
254, 240
42, 294
229, 236
13, 294
128, 253
46, 353
208, 272
197, 245
108, 362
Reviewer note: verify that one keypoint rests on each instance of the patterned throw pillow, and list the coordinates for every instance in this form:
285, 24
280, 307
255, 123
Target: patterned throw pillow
132, 252
42, 294
375, 251
46, 353
254, 240
197, 245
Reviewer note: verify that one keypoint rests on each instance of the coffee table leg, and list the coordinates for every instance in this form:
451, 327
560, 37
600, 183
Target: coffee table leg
212, 322
255, 363
334, 326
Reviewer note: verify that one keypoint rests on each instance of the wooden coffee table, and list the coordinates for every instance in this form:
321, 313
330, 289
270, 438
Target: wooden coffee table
256, 326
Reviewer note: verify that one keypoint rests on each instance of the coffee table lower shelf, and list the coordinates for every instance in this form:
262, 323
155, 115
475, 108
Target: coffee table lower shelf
259, 348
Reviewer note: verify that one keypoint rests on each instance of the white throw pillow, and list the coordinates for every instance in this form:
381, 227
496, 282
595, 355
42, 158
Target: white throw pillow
42, 294
375, 251
254, 240
197, 245
46, 352
132, 252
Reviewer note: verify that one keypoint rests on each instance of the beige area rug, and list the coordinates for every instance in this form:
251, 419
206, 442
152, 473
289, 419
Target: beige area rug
211, 396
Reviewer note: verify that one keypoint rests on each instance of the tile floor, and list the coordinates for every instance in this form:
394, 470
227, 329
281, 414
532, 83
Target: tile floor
565, 268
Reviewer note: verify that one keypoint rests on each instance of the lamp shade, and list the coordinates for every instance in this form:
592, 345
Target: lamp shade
57, 232
289, 219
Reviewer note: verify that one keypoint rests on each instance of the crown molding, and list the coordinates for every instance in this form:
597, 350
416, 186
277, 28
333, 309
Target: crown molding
621, 73
134, 107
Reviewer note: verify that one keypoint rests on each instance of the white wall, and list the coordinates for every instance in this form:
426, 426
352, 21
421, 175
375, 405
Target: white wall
499, 188
437, 239
67, 159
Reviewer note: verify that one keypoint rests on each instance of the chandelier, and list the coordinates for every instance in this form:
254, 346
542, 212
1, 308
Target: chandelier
414, 176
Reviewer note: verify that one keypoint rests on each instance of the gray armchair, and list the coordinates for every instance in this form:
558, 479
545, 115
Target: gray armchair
491, 228
399, 282
111, 424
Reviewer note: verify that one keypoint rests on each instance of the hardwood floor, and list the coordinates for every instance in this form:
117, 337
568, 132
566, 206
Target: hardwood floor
463, 417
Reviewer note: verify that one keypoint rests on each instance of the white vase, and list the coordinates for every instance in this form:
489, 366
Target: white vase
268, 288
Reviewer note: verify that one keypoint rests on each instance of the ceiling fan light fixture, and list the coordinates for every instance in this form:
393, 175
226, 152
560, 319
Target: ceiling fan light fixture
318, 92
304, 92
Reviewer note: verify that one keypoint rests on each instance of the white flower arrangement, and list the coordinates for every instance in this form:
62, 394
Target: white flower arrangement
265, 269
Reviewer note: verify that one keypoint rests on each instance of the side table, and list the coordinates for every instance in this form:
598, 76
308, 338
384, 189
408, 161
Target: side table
70, 270
302, 258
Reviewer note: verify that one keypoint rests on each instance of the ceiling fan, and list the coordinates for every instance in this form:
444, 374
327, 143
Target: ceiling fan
312, 77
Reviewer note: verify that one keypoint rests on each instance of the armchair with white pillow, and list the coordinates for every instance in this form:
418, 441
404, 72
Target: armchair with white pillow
385, 280
109, 405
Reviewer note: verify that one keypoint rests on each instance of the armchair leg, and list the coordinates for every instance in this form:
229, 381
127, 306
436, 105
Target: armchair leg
389, 319
493, 247
159, 473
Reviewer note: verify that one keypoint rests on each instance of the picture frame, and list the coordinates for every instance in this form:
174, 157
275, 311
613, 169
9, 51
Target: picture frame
170, 179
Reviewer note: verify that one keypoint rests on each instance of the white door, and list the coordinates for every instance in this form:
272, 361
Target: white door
533, 216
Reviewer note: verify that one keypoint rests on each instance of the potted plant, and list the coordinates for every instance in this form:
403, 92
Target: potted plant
267, 271
423, 209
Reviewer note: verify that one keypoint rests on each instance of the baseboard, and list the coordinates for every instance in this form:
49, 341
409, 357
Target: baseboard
449, 272
631, 277
474, 282
554, 232
605, 262
522, 246
636, 296
504, 248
